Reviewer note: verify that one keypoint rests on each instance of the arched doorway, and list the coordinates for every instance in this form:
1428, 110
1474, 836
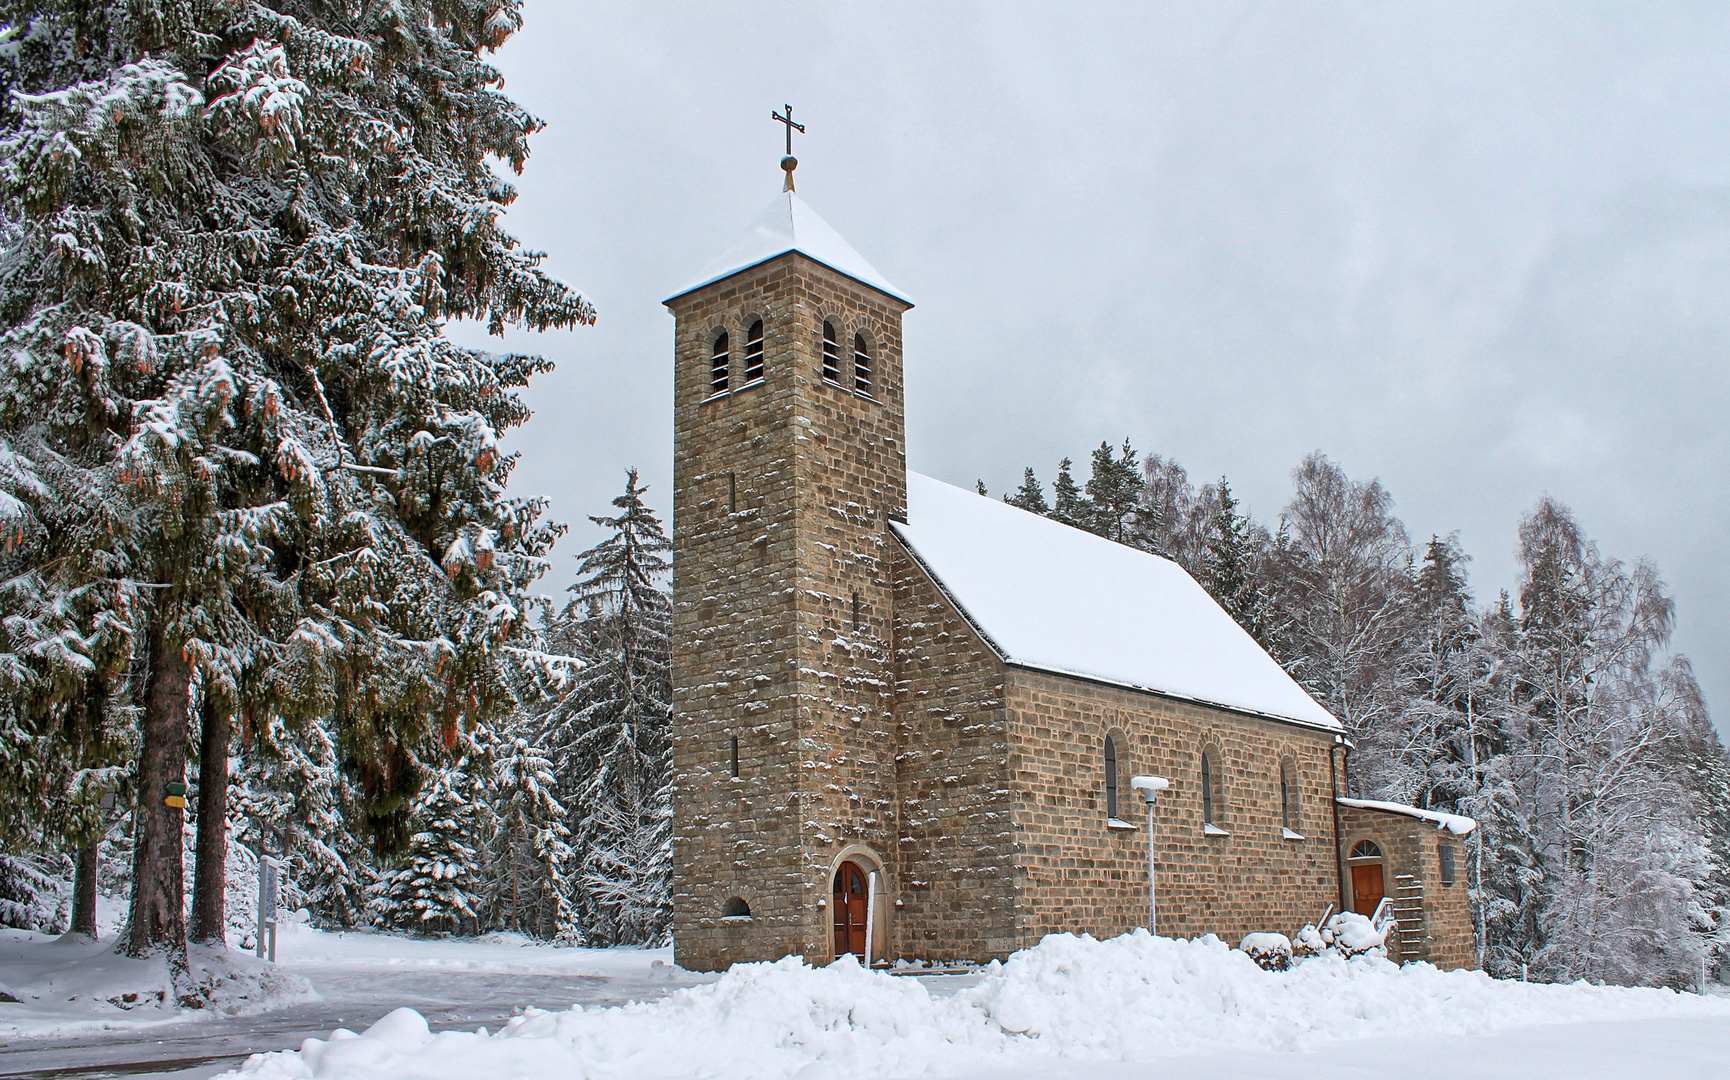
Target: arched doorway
1369, 884
850, 901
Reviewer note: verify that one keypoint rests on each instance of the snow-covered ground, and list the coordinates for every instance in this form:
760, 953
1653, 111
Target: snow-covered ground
1070, 1007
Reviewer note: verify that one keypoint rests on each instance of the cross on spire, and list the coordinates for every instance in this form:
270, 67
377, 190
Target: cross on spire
788, 163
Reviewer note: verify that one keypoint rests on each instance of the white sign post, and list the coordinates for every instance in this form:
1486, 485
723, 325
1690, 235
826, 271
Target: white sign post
1150, 787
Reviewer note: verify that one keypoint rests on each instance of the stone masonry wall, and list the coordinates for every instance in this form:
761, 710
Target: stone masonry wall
1411, 851
1081, 874
782, 492
957, 868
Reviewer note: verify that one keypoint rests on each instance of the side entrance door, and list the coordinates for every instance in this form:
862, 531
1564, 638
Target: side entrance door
1366, 887
848, 903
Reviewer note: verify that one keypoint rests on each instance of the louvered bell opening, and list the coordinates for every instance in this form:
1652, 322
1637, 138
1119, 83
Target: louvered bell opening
861, 365
754, 352
718, 366
831, 353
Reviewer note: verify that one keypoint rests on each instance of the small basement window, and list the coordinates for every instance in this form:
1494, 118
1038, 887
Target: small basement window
736, 908
754, 352
718, 364
831, 353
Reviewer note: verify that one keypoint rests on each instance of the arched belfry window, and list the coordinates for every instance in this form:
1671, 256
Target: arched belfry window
1110, 777
861, 365
754, 352
1206, 788
831, 353
718, 364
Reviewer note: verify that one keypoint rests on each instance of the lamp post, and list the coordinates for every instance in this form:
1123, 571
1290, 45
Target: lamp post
1150, 787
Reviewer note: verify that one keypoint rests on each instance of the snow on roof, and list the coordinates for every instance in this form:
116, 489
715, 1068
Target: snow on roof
1458, 824
1053, 597
788, 224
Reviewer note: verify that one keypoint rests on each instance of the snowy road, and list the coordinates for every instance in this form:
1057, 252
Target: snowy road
353, 997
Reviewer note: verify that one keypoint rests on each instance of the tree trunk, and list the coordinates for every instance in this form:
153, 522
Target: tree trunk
155, 919
210, 863
84, 891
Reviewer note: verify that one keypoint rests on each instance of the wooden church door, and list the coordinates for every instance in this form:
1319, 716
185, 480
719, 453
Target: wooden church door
849, 907
1367, 888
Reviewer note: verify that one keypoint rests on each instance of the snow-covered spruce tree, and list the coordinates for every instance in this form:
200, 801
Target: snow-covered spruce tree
611, 734
1229, 567
238, 228
1030, 496
292, 782
532, 866
439, 887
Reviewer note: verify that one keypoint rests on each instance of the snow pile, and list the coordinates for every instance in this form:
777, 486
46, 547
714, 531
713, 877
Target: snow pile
62, 985
1133, 998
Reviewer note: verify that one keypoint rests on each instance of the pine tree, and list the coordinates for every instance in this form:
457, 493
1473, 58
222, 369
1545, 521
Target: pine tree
611, 733
230, 291
1068, 504
1115, 495
1229, 568
1030, 496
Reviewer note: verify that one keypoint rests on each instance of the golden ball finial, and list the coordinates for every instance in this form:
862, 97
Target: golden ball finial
788, 164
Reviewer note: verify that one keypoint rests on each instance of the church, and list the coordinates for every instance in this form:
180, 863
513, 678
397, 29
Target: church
907, 717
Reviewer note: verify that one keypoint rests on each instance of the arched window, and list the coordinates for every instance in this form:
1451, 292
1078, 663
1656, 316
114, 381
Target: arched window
1110, 777
754, 352
1206, 788
736, 908
718, 364
1366, 849
861, 365
1288, 796
831, 353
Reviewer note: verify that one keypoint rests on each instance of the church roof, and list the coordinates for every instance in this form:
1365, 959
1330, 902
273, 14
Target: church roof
1059, 599
788, 224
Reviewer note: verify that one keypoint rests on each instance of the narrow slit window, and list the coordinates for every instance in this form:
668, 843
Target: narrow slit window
718, 365
754, 352
1206, 789
861, 365
732, 493
855, 613
735, 756
1110, 777
1449, 876
1287, 793
831, 353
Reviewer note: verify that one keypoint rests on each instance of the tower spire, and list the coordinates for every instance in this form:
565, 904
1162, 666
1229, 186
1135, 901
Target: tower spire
788, 163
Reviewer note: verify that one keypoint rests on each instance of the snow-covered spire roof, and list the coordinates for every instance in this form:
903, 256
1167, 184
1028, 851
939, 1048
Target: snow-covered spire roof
788, 224
1056, 598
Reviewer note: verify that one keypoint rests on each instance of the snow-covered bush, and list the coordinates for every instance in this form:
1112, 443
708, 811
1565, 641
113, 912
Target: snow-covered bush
36, 892
1307, 943
1272, 951
1350, 934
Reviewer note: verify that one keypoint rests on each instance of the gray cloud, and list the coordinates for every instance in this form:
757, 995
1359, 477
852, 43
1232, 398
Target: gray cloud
1481, 252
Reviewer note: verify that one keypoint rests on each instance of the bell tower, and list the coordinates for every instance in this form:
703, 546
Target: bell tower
789, 461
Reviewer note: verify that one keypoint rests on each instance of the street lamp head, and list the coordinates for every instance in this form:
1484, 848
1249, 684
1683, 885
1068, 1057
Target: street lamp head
1149, 786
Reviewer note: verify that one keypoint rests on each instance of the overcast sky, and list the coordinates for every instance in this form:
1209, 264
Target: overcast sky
1480, 252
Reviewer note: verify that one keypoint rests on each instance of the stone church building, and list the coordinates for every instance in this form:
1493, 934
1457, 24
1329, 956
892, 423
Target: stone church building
906, 717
